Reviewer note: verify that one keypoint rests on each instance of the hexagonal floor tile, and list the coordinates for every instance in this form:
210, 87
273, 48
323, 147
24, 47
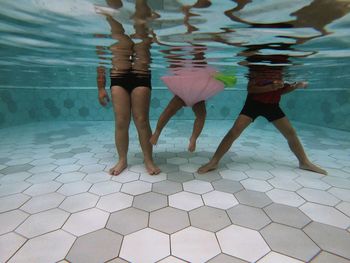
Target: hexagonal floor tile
136, 188
242, 243
284, 183
329, 238
99, 246
325, 214
185, 201
194, 245
228, 186
169, 220
256, 185
220, 199
177, 160
74, 188
325, 257
42, 188
105, 188
197, 187
249, 217
290, 241
274, 257
12, 202
189, 167
344, 207
10, 220
86, 221
126, 176
150, 201
120, 221
233, 175
180, 176
253, 198
318, 196
167, 187
42, 223
9, 244
13, 178
97, 177
151, 246
152, 178
171, 259
79, 202
209, 176
259, 174
238, 166
223, 258
342, 194
287, 215
285, 197
315, 183
209, 218
43, 202
69, 177
51, 247
168, 168
42, 177
114, 202
14, 188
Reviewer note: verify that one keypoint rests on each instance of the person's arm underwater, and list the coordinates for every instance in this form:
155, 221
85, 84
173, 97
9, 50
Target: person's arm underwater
270, 86
103, 97
289, 87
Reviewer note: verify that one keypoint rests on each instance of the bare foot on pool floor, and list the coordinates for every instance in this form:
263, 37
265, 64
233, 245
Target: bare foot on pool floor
207, 167
151, 168
313, 168
192, 145
154, 138
118, 168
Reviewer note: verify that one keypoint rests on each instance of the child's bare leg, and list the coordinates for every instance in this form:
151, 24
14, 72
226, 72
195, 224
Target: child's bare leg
200, 112
121, 105
285, 127
174, 105
238, 127
140, 100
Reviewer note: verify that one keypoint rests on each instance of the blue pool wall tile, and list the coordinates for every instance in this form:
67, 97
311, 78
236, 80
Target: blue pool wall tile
327, 108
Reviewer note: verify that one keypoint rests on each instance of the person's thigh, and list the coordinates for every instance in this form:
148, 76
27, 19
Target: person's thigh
285, 127
140, 102
121, 104
241, 123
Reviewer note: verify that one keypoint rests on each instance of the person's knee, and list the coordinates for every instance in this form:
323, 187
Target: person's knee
235, 132
123, 123
290, 134
141, 121
202, 114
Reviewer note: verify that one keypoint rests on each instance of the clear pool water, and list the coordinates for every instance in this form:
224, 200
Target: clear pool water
57, 200
57, 46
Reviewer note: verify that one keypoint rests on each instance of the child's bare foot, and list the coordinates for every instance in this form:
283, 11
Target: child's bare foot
118, 168
207, 167
151, 168
154, 138
192, 145
311, 167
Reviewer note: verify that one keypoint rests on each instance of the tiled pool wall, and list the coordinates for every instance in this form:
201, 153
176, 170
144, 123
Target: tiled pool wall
327, 108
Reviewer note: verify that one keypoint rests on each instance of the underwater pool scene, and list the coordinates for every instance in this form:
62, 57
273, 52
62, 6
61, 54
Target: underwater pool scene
63, 197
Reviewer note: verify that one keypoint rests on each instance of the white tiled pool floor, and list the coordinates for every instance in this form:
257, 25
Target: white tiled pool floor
58, 203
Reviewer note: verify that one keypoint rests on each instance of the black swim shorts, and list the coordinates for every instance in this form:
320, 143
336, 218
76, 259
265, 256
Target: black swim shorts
253, 109
130, 80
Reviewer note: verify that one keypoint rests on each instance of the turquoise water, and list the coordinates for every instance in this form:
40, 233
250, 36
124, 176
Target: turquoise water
57, 143
57, 46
